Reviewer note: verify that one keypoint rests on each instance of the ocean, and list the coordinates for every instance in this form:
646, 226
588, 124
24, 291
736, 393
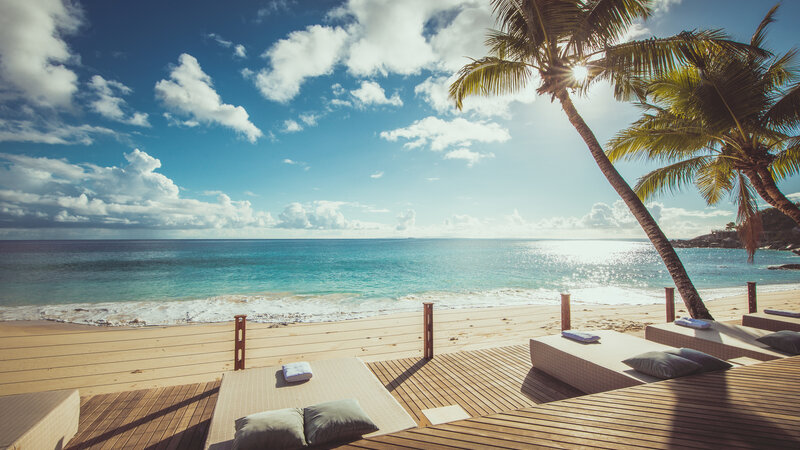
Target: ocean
157, 282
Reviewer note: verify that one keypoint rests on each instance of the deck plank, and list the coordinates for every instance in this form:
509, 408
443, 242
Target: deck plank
747, 407
482, 382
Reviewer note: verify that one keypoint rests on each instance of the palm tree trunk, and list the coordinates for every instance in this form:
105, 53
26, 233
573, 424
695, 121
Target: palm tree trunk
691, 298
775, 197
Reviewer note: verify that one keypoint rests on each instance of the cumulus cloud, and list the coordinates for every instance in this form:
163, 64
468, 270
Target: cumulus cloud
371, 93
303, 54
309, 119
376, 175
467, 155
406, 220
318, 215
111, 106
190, 92
46, 192
33, 53
291, 126
436, 90
440, 134
44, 132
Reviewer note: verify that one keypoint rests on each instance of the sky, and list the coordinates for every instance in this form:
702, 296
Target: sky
309, 119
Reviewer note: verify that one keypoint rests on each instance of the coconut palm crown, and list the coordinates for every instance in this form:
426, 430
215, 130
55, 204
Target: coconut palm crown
726, 123
543, 40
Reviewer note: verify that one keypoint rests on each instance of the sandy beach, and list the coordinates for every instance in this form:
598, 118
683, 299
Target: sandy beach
38, 356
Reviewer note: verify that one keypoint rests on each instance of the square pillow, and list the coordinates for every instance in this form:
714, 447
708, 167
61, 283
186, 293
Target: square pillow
336, 421
282, 428
787, 341
663, 365
709, 363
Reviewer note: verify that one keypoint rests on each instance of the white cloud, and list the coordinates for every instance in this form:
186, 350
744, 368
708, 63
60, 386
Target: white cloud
303, 54
309, 119
339, 102
467, 155
290, 126
663, 6
389, 36
440, 134
272, 7
291, 162
406, 220
338, 90
463, 38
45, 192
436, 90
33, 53
239, 51
223, 42
376, 175
371, 93
111, 106
50, 132
318, 215
190, 92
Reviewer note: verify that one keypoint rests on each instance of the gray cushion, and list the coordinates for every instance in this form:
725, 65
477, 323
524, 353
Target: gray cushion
709, 363
336, 421
282, 428
787, 341
663, 365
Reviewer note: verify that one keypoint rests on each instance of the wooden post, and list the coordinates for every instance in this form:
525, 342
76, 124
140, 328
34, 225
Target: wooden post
751, 296
670, 304
427, 330
238, 340
565, 319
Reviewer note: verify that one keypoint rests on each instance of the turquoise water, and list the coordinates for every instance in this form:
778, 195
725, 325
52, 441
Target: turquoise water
176, 281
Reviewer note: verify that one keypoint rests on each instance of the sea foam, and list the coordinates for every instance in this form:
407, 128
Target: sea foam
291, 308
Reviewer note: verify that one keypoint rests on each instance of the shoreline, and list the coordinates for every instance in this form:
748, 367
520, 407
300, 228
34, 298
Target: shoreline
42, 355
290, 308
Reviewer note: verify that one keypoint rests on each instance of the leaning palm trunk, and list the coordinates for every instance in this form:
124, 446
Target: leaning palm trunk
775, 197
691, 298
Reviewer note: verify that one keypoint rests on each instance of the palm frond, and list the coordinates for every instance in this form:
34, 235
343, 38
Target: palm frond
489, 76
787, 161
715, 179
758, 37
604, 21
662, 136
750, 225
785, 113
672, 177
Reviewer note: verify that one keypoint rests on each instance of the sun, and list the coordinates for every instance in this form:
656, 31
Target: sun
579, 73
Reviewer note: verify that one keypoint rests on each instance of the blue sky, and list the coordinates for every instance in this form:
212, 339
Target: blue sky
273, 119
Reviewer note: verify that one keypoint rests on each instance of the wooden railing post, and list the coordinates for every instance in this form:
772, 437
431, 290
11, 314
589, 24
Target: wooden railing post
565, 319
427, 333
670, 291
239, 339
751, 296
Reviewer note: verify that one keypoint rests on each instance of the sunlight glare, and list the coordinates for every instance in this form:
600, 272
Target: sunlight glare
579, 73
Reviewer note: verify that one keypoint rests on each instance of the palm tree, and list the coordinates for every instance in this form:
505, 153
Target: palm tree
724, 123
550, 38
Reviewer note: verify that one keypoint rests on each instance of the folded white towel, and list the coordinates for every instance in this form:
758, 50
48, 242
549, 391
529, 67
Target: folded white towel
580, 336
299, 371
692, 323
780, 312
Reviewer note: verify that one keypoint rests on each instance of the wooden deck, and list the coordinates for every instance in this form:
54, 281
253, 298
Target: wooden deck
482, 382
174, 417
757, 406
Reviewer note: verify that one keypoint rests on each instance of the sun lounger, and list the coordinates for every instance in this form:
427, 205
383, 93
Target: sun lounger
771, 322
725, 341
594, 367
254, 390
40, 420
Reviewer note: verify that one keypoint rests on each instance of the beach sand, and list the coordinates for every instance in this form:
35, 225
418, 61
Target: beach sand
39, 356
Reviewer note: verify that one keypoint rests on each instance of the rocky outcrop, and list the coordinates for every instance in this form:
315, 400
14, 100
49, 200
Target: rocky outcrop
780, 233
785, 267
